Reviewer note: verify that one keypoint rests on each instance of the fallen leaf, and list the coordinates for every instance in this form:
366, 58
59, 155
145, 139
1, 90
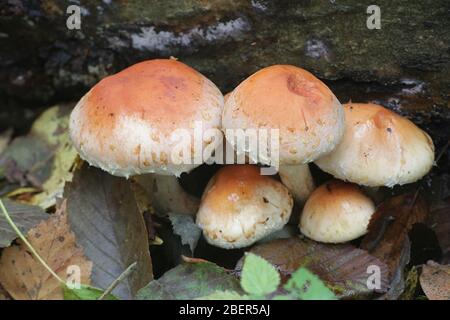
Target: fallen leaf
17, 193
344, 268
5, 138
224, 295
389, 227
145, 207
193, 260
5, 186
85, 293
190, 281
54, 126
44, 158
24, 216
103, 214
26, 161
25, 278
3, 294
185, 227
258, 276
307, 286
397, 284
143, 200
435, 281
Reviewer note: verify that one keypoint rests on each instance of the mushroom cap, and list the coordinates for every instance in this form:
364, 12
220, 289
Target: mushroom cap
241, 206
379, 148
307, 114
336, 212
125, 122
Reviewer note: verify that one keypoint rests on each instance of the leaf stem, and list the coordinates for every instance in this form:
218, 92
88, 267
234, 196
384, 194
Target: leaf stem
114, 284
22, 237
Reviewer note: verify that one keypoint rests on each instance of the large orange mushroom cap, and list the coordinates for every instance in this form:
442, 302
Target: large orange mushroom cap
164, 92
125, 122
309, 117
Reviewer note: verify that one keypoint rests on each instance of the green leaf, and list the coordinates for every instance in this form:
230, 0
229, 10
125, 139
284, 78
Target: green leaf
283, 297
190, 281
307, 286
259, 277
224, 295
85, 293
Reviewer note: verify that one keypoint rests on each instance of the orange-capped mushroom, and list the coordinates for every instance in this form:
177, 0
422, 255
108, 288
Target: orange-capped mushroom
241, 206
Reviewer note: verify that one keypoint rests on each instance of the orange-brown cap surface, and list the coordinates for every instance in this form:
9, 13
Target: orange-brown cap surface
241, 206
336, 212
379, 148
124, 123
309, 117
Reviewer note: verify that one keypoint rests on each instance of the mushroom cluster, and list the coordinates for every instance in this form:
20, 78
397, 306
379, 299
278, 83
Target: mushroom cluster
125, 125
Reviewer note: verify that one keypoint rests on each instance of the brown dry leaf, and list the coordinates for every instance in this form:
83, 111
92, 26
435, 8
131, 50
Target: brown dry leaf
435, 281
344, 268
389, 227
24, 277
3, 294
193, 260
143, 201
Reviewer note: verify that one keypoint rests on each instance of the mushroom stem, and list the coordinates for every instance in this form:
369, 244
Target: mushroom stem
167, 195
298, 179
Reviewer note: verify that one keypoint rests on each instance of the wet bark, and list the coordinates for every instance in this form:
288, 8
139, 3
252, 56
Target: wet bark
405, 63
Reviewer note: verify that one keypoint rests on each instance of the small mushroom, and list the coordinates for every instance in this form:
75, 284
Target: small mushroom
124, 125
241, 206
379, 148
309, 117
336, 212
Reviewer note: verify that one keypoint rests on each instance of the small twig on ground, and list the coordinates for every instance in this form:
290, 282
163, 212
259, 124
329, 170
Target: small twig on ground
119, 279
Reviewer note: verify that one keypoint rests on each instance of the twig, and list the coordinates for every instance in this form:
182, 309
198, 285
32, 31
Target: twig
119, 279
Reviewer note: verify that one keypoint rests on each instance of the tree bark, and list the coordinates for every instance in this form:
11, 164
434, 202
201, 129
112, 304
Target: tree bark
42, 61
